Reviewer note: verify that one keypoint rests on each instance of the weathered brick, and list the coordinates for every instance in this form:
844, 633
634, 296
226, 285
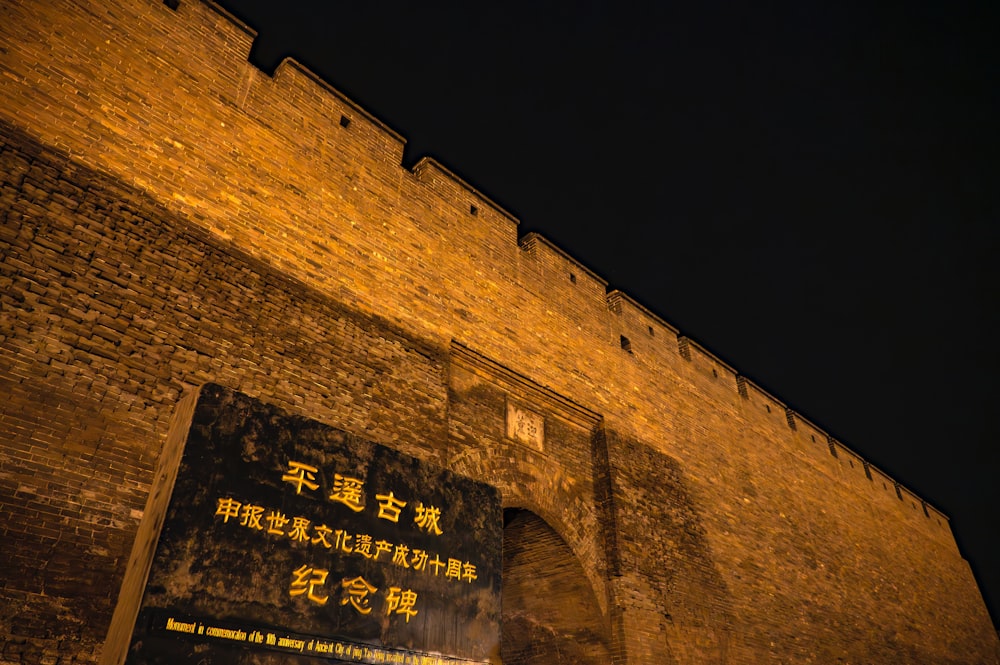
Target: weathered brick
172, 216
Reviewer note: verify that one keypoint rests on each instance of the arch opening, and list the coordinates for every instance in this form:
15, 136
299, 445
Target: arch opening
550, 612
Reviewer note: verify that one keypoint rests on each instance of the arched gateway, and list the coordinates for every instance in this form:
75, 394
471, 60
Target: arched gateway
269, 534
551, 615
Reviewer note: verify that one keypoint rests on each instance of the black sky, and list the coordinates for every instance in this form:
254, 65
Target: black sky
810, 190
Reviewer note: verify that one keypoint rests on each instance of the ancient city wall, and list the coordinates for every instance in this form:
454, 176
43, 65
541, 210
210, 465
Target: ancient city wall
172, 215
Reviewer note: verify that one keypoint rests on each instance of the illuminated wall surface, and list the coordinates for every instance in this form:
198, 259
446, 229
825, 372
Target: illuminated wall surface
175, 222
285, 537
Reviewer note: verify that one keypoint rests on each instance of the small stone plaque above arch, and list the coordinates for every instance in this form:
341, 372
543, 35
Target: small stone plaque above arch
525, 425
528, 409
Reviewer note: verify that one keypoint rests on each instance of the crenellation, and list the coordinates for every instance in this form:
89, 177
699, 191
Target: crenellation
571, 297
684, 348
236, 35
832, 445
474, 214
812, 434
767, 403
652, 338
830, 449
316, 109
853, 468
710, 364
566, 270
882, 481
791, 419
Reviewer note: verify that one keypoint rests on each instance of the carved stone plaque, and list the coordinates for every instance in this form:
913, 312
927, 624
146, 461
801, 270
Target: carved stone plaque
525, 426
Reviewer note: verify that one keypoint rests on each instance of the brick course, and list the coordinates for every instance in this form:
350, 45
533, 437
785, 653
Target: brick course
173, 216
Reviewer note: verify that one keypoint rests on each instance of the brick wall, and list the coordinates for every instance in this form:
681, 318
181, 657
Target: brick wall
111, 309
171, 215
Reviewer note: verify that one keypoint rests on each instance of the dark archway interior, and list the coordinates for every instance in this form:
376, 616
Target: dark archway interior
550, 613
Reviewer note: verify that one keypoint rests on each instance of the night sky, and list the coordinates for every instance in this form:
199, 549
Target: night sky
809, 190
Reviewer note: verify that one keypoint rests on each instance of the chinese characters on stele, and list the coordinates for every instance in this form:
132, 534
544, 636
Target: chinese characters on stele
311, 583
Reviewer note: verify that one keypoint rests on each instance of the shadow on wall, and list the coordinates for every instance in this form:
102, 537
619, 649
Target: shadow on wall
662, 557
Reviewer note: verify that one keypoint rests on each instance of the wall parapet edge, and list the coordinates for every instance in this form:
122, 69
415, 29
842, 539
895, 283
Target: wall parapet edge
291, 63
530, 240
224, 13
426, 165
290, 69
